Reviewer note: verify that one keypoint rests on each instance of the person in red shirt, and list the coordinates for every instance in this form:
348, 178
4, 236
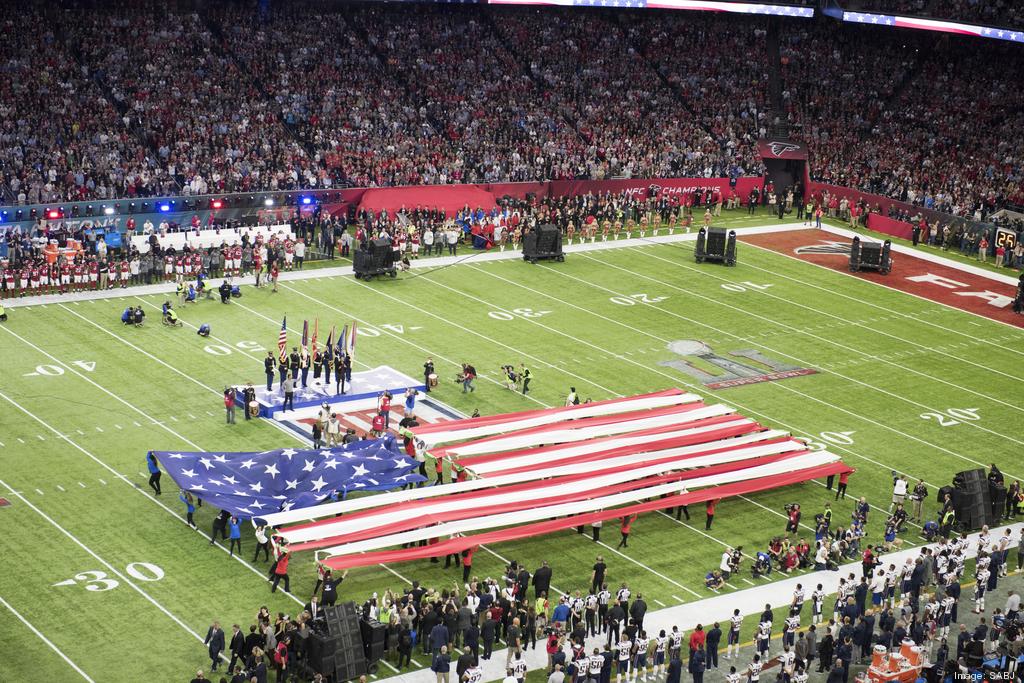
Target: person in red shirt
625, 529
710, 512
377, 428
467, 562
697, 639
841, 489
79, 276
273, 275
94, 273
281, 571
384, 407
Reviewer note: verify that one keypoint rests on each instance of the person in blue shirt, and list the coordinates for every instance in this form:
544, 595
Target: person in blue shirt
191, 296
410, 401
204, 330
128, 317
190, 506
154, 473
235, 534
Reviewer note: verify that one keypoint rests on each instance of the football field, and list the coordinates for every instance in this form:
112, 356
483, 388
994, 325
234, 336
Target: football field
112, 584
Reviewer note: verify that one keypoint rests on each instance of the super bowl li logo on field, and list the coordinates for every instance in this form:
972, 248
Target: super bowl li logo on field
733, 372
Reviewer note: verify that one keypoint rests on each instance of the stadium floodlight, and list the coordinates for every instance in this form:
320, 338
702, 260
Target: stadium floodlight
108, 211
217, 204
307, 200
269, 201
164, 208
52, 213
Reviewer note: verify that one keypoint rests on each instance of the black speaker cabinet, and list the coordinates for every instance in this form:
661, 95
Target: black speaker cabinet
374, 636
715, 244
543, 242
870, 256
971, 499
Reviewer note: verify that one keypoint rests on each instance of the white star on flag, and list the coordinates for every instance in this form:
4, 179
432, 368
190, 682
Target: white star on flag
332, 463
255, 504
198, 487
308, 467
220, 458
189, 473
288, 453
359, 471
401, 463
214, 482
271, 470
230, 480
291, 484
248, 463
176, 456
257, 487
318, 484
206, 463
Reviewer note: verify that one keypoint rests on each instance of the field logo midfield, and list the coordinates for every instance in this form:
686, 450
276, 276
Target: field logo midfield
734, 373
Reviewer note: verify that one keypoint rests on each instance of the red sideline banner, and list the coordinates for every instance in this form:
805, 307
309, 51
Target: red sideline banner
460, 543
890, 226
452, 198
874, 201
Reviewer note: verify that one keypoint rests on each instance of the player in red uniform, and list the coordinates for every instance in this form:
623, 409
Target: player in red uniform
80, 276
169, 267
94, 273
126, 269
9, 282
236, 259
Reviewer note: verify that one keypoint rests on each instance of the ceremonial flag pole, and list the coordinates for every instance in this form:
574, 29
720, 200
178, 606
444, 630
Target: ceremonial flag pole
305, 333
316, 329
352, 343
282, 338
343, 341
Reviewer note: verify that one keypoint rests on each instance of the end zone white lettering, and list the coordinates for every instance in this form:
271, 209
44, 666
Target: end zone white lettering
993, 298
937, 280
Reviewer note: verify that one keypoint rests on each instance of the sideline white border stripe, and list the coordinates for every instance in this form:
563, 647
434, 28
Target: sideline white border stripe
168, 288
46, 640
109, 566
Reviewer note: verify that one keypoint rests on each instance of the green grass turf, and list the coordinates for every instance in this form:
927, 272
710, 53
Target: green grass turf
884, 359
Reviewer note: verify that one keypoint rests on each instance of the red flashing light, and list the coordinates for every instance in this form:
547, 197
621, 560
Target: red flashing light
217, 203
53, 213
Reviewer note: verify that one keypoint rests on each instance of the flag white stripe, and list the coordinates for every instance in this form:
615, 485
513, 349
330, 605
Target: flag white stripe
279, 519
801, 462
543, 491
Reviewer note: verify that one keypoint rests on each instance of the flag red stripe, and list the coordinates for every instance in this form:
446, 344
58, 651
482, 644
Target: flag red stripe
416, 521
458, 544
469, 423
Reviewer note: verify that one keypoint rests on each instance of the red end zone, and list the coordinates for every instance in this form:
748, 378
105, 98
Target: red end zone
939, 283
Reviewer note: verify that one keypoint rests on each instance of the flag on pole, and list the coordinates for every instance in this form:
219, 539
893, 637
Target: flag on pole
316, 328
282, 337
352, 342
328, 350
343, 341
305, 333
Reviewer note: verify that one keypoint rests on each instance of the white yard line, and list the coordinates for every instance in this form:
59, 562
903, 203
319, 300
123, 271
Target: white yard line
211, 390
46, 640
113, 570
125, 479
678, 380
781, 385
833, 342
860, 300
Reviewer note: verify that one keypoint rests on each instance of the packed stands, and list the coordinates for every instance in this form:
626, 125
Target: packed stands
163, 100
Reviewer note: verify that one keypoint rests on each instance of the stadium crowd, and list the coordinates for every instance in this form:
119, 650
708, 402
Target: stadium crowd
240, 99
53, 258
